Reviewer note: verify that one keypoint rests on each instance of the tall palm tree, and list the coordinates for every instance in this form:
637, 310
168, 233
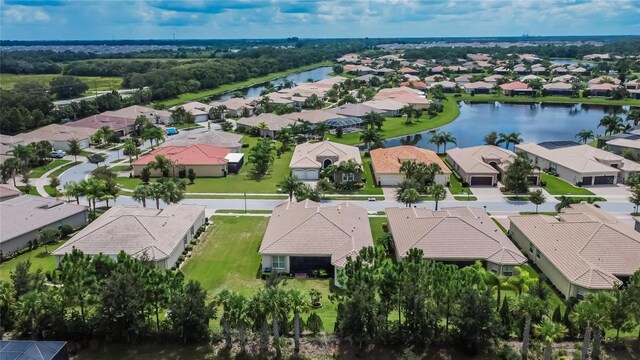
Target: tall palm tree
162, 164
259, 309
582, 315
408, 111
409, 168
437, 139
438, 192
94, 189
634, 116
141, 193
73, 148
369, 136
321, 129
172, 190
549, 331
601, 303
610, 123
223, 298
13, 166
131, 150
290, 185
298, 304
495, 281
521, 280
157, 191
278, 312
238, 316
530, 306
447, 138
48, 236
585, 135
373, 119
24, 153
508, 139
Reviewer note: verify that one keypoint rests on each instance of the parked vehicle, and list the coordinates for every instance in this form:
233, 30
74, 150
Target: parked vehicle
172, 131
58, 154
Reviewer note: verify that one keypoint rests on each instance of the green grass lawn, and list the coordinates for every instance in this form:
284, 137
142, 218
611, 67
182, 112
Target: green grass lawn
557, 186
547, 99
121, 168
456, 187
376, 227
186, 127
395, 126
64, 168
8, 81
183, 98
227, 257
39, 260
583, 198
40, 170
369, 185
52, 191
233, 211
32, 191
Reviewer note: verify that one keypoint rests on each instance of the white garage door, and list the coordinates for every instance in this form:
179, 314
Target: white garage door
390, 180
307, 174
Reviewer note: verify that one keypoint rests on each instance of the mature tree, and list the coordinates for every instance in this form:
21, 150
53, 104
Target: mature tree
262, 156
66, 87
48, 236
373, 119
409, 197
73, 148
172, 190
370, 137
145, 175
585, 135
191, 175
259, 310
153, 133
239, 317
634, 198
634, 116
80, 285
94, 189
537, 197
476, 322
24, 153
141, 193
298, 305
438, 192
162, 164
564, 202
612, 124
131, 149
529, 306
496, 281
516, 177
409, 168
619, 315
491, 139
97, 158
508, 139
549, 331
290, 185
74, 190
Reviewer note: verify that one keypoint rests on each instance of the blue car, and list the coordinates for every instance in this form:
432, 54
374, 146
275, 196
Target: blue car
172, 131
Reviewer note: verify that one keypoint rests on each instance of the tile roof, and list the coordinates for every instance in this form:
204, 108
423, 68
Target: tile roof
587, 245
235, 104
557, 86
197, 154
451, 234
475, 160
313, 116
28, 213
580, 158
353, 110
389, 161
308, 229
386, 104
8, 190
516, 85
211, 138
604, 80
194, 108
627, 143
306, 155
57, 132
136, 231
274, 122
477, 85
115, 123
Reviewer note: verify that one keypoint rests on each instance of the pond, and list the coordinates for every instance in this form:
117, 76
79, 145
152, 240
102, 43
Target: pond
535, 122
571, 62
314, 74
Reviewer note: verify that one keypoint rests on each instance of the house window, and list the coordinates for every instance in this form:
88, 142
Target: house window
538, 255
192, 230
348, 177
507, 270
184, 240
532, 250
580, 293
278, 262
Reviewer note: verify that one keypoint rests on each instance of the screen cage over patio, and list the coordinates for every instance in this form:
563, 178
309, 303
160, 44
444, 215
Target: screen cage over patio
346, 122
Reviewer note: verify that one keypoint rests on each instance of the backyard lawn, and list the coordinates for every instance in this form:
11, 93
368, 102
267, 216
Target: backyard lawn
557, 186
40, 170
8, 81
395, 126
39, 260
376, 227
227, 257
546, 99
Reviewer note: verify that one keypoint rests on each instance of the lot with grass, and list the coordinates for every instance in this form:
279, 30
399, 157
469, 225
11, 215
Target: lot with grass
395, 126
546, 99
40, 170
8, 81
376, 227
64, 168
557, 186
40, 259
227, 257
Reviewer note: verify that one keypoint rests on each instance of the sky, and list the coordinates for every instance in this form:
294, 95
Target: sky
227, 19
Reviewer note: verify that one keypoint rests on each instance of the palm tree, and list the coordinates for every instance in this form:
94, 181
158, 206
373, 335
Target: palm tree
94, 189
634, 116
611, 124
564, 202
238, 316
498, 282
141, 193
408, 111
448, 137
290, 185
161, 163
265, 104
260, 309
48, 236
582, 315
73, 148
74, 189
530, 306
508, 139
409, 168
278, 311
585, 135
24, 153
437, 139
131, 149
549, 331
172, 190
601, 303
438, 192
408, 196
373, 119
321, 129
369, 136
521, 280
13, 166
491, 138
298, 305
223, 299
156, 190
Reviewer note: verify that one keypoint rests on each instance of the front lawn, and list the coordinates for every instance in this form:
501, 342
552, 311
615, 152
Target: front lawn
376, 227
369, 184
456, 188
64, 168
40, 259
40, 170
557, 186
227, 257
395, 126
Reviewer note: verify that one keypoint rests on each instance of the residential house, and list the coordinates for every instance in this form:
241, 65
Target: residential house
484, 164
304, 237
459, 235
33, 350
517, 88
478, 87
309, 159
313, 116
384, 71
538, 69
528, 78
24, 216
619, 143
133, 111
463, 79
579, 164
386, 164
389, 107
634, 94
520, 69
447, 86
405, 95
560, 70
601, 90
557, 89
199, 110
580, 71
8, 191
501, 70
408, 71
564, 78
493, 79
220, 139
632, 84
435, 78
268, 124
582, 250
156, 235
597, 57
119, 125
236, 107
354, 110
367, 78
603, 80
205, 160
59, 135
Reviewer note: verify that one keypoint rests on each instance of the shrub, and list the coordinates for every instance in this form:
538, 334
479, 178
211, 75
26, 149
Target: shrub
65, 229
181, 258
579, 184
314, 323
543, 183
244, 146
193, 242
182, 173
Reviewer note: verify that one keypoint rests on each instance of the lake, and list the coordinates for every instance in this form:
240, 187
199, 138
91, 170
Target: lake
253, 91
571, 62
536, 123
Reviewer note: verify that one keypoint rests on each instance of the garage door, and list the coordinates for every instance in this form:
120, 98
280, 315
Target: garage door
587, 180
391, 180
311, 175
603, 180
481, 180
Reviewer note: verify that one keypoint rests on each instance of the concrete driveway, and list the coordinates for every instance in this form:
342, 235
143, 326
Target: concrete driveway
610, 191
487, 193
389, 193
